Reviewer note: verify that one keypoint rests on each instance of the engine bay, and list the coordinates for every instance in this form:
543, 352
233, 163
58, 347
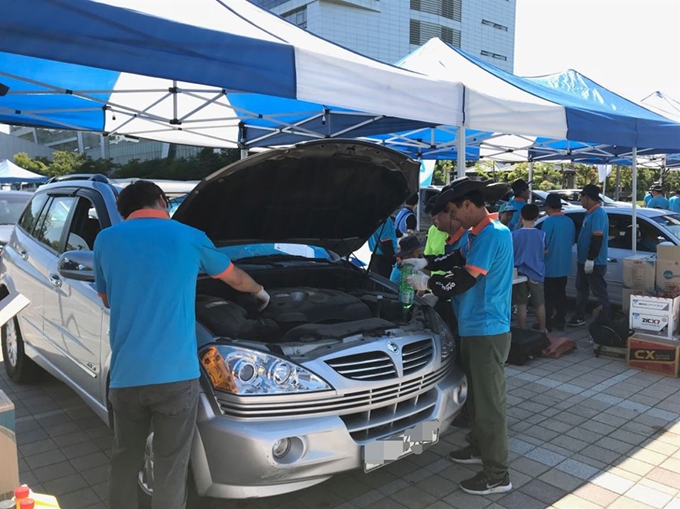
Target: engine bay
303, 319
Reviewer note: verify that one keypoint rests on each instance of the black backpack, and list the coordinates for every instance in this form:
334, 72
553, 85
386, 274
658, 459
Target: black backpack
611, 330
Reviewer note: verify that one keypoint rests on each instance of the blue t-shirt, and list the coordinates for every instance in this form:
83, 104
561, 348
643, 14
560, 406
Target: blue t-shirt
484, 310
647, 198
400, 221
674, 204
147, 267
560, 234
658, 202
518, 204
384, 232
596, 222
529, 250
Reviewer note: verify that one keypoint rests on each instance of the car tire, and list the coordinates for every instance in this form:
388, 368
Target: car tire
20, 368
145, 480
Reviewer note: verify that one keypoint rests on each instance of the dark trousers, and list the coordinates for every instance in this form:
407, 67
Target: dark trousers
171, 410
555, 300
483, 363
586, 283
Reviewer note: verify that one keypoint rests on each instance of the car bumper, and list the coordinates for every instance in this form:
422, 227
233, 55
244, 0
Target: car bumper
233, 458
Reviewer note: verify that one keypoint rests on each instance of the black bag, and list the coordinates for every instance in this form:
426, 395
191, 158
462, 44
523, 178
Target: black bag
610, 330
525, 345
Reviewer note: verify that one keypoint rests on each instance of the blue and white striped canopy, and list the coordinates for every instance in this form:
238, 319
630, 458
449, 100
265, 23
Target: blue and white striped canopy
202, 72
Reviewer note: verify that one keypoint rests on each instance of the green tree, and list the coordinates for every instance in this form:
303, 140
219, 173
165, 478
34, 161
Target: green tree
37, 165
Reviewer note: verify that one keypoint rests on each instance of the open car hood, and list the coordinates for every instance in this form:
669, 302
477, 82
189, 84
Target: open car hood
329, 193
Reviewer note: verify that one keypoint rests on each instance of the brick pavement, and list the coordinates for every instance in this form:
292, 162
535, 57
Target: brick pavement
584, 433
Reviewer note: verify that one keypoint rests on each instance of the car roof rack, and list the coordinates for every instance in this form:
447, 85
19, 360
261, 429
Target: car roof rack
95, 177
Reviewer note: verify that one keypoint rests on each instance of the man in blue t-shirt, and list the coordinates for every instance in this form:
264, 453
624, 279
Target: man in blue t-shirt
145, 270
529, 249
383, 246
591, 249
521, 194
674, 202
560, 234
480, 274
658, 200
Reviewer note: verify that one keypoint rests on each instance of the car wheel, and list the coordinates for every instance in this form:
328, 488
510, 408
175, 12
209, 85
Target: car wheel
146, 476
17, 364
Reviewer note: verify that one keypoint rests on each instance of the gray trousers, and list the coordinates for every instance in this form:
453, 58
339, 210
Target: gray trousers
483, 362
170, 410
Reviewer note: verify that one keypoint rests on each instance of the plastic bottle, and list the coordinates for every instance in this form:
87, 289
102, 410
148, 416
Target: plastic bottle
21, 493
406, 291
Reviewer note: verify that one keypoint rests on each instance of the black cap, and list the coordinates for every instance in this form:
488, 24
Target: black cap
458, 189
432, 207
591, 190
407, 245
658, 188
553, 201
519, 185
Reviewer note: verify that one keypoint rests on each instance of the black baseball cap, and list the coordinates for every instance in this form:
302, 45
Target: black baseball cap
591, 190
458, 189
407, 245
553, 201
658, 188
519, 185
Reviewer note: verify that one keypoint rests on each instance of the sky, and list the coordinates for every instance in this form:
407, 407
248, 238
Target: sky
630, 47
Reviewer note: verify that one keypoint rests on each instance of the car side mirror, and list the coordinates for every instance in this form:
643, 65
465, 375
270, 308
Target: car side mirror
78, 265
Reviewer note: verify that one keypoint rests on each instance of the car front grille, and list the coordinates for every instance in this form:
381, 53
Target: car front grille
371, 366
416, 355
368, 414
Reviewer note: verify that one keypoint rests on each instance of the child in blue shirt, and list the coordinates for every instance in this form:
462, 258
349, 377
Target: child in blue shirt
529, 250
409, 247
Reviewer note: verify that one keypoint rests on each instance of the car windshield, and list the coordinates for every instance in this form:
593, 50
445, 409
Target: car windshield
11, 207
273, 250
671, 222
174, 204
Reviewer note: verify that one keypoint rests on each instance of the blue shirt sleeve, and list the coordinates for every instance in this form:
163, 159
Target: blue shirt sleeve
213, 262
395, 276
549, 232
99, 280
598, 223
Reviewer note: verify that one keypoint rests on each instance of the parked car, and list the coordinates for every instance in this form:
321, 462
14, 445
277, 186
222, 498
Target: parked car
12, 204
289, 397
573, 196
654, 226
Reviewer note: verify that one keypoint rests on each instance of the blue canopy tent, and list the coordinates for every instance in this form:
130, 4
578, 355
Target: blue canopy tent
203, 73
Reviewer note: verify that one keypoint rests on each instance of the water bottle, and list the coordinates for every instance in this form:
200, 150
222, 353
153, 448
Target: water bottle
406, 291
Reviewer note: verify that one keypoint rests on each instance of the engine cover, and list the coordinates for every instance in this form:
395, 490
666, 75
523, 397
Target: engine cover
292, 306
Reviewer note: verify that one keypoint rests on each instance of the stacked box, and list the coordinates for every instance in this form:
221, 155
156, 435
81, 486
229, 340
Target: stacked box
654, 354
639, 273
655, 315
668, 270
9, 463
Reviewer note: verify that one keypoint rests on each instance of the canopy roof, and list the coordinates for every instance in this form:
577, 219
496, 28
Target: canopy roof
11, 173
196, 71
556, 115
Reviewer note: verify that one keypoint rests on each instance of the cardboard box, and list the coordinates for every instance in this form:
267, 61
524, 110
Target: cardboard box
627, 294
668, 269
9, 472
639, 273
654, 315
656, 355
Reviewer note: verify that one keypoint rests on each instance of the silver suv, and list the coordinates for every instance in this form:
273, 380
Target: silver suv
334, 375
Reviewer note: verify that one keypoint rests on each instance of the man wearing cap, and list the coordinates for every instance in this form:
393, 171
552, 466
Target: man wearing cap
674, 202
648, 196
658, 200
591, 249
520, 190
506, 212
480, 275
409, 247
560, 234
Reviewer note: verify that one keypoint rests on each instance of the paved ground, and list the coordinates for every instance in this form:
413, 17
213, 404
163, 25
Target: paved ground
585, 433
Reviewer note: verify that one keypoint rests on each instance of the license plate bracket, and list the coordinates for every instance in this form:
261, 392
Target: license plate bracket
413, 440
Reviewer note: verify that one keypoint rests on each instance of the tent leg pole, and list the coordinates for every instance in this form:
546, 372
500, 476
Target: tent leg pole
618, 183
460, 148
531, 181
634, 200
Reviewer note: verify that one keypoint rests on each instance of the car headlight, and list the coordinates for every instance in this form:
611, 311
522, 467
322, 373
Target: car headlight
448, 342
243, 371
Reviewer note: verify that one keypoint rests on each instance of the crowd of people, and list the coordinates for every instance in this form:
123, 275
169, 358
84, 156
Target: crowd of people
478, 265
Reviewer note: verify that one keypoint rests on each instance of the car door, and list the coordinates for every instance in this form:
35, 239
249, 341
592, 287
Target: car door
49, 234
25, 263
73, 311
